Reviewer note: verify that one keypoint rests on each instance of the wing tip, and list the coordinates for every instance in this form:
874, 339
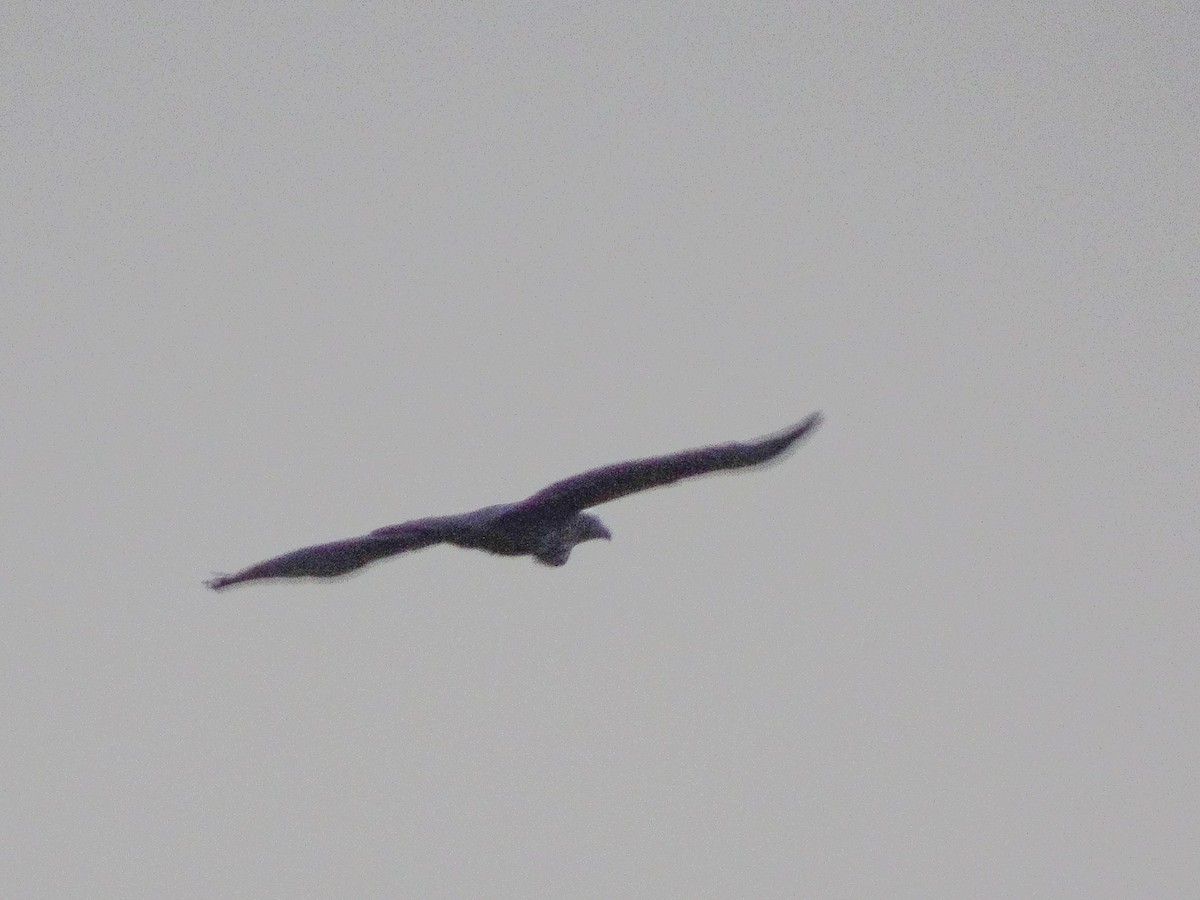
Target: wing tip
811, 421
783, 442
806, 425
220, 580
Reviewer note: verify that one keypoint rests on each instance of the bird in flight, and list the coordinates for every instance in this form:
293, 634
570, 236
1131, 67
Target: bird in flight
545, 526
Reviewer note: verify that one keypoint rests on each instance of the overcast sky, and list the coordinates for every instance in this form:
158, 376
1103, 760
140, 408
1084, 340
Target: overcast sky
279, 274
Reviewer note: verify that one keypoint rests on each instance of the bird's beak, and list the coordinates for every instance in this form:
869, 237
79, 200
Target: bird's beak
605, 533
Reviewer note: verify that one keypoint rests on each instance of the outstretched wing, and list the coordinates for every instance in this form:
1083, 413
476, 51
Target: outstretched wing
610, 482
338, 557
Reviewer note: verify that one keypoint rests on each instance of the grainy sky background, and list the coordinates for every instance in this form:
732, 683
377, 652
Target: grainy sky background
282, 273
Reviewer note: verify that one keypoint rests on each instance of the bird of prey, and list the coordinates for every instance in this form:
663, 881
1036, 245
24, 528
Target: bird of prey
545, 526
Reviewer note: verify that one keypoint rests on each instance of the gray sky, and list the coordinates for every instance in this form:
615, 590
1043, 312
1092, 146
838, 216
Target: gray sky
283, 274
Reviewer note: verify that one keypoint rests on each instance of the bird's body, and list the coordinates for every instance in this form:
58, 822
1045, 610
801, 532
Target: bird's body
545, 526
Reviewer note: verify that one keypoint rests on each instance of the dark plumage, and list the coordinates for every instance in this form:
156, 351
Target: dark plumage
546, 526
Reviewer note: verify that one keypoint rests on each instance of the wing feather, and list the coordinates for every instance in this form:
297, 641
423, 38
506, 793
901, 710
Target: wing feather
607, 483
339, 557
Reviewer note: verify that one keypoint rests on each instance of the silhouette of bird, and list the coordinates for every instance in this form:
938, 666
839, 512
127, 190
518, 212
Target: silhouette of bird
545, 526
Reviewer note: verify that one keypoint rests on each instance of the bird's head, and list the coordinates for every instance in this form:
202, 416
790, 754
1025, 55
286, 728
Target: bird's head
556, 546
586, 527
